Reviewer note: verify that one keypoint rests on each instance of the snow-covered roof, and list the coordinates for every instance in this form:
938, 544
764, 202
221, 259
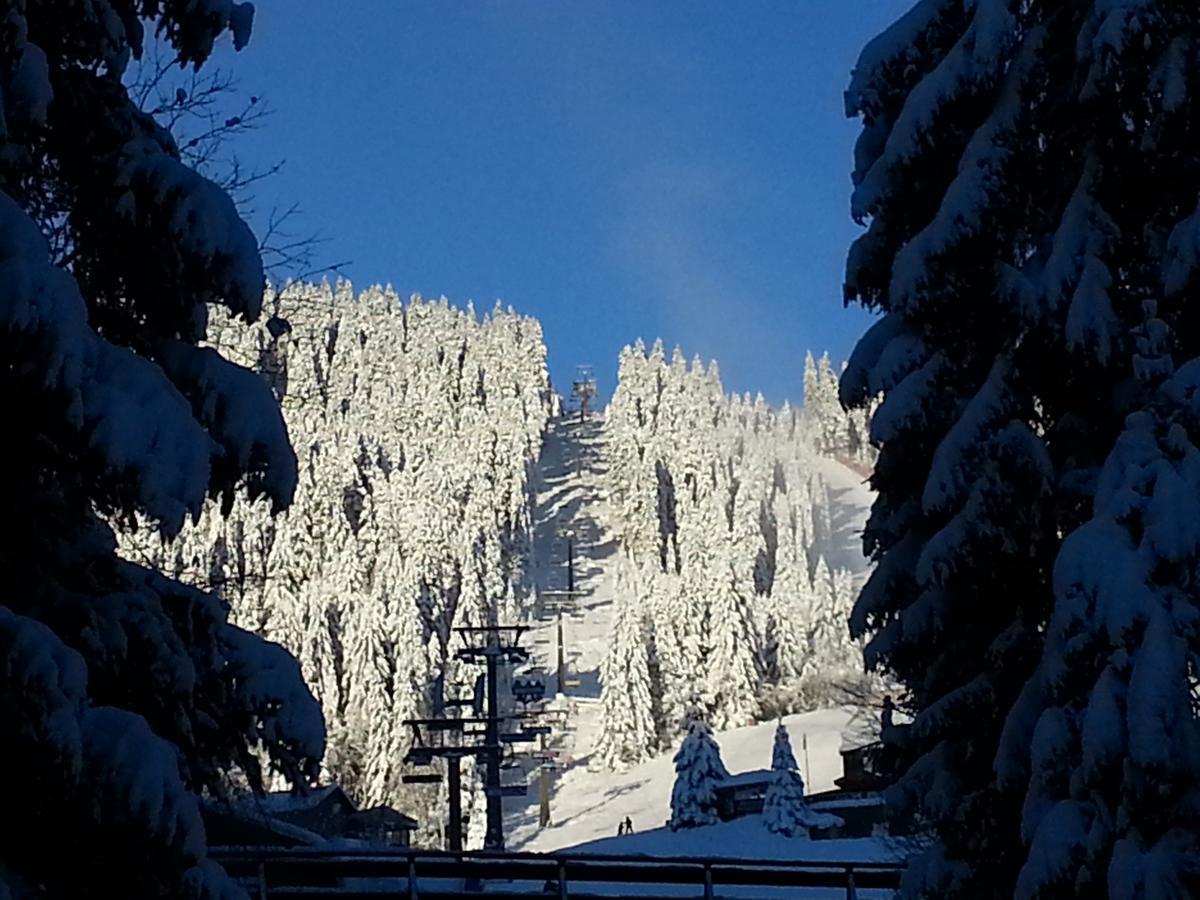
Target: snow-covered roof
848, 802
384, 814
286, 801
229, 819
742, 779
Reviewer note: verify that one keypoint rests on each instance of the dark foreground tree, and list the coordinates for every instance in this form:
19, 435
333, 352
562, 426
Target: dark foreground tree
1030, 174
122, 694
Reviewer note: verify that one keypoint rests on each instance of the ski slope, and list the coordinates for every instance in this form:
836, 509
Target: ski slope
572, 504
852, 499
588, 802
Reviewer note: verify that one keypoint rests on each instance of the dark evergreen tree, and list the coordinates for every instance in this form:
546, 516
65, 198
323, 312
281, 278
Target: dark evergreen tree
1030, 176
122, 693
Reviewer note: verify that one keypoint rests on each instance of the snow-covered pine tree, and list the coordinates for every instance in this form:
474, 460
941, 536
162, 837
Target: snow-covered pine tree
812, 390
124, 693
1106, 733
1029, 184
677, 650
794, 613
731, 685
830, 420
785, 810
782, 756
628, 730
838, 432
698, 771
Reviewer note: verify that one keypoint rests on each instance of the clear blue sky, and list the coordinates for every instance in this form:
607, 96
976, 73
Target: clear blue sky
617, 169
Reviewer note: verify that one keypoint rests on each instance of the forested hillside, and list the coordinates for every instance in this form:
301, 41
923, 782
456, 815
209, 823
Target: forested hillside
416, 427
727, 599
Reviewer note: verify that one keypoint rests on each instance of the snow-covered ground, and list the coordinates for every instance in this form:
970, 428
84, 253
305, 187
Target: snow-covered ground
587, 803
745, 838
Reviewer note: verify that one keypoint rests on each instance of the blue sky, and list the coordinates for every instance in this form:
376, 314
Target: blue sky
617, 169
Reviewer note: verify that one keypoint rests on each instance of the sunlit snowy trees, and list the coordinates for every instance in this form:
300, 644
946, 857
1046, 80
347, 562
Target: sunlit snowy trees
628, 729
417, 426
726, 532
123, 693
1029, 175
839, 432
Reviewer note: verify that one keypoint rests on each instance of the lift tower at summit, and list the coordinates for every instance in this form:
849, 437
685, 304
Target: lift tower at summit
584, 389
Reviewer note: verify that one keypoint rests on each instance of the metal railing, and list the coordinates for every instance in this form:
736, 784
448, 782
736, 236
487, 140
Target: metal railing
293, 873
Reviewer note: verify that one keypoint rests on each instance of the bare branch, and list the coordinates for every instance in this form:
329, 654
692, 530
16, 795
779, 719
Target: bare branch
206, 112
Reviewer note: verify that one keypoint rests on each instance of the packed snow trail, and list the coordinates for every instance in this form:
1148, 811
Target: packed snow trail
572, 506
852, 498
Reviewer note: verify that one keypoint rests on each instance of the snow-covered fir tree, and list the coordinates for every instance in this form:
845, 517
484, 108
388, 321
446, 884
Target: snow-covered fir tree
417, 426
782, 757
1032, 246
628, 730
785, 810
723, 513
698, 771
124, 694
842, 433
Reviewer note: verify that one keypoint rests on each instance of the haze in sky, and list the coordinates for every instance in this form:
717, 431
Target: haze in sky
617, 169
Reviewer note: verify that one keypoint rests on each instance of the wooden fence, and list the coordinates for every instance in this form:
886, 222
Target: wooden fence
358, 874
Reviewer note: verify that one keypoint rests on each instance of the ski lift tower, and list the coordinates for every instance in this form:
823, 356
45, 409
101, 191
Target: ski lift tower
479, 735
584, 389
564, 601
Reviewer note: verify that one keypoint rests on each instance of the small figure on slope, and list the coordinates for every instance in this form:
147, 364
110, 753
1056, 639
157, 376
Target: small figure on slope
784, 809
698, 771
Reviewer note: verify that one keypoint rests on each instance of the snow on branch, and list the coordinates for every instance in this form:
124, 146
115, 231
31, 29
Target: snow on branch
237, 408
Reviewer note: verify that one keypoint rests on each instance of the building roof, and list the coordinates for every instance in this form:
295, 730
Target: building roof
746, 779
277, 802
383, 815
238, 824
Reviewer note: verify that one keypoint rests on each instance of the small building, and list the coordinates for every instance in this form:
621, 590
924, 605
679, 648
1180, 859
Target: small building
381, 825
328, 812
742, 794
863, 768
858, 801
862, 813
